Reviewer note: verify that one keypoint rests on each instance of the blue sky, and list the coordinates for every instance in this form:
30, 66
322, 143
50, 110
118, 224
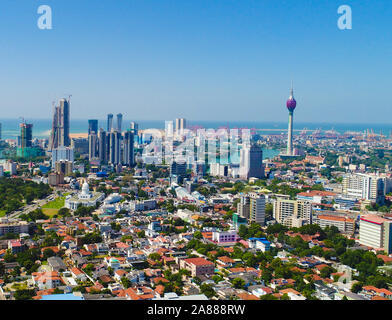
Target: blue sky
202, 60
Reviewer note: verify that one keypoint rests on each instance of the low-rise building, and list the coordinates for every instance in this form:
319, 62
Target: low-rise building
198, 266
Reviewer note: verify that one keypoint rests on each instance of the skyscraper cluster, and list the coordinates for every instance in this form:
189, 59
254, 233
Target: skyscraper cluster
111, 146
110, 125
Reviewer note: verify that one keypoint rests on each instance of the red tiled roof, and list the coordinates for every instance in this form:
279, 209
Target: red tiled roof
199, 261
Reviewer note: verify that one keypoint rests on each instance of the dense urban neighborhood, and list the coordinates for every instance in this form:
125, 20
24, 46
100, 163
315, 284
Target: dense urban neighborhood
98, 218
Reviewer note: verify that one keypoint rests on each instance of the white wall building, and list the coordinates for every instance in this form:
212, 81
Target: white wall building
84, 198
292, 213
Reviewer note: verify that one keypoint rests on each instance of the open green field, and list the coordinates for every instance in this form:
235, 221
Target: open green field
52, 207
50, 212
57, 203
2, 213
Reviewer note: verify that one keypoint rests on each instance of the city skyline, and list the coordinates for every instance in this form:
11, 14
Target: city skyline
223, 60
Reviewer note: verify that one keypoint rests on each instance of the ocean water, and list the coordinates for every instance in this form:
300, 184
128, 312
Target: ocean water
42, 127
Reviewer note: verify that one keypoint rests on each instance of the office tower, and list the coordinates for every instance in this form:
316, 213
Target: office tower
219, 170
135, 130
257, 208
370, 187
199, 168
180, 125
178, 171
26, 135
134, 127
92, 146
102, 146
243, 207
60, 125
62, 153
119, 122
110, 122
80, 145
64, 167
376, 232
178, 168
252, 208
169, 130
290, 104
251, 162
177, 126
92, 126
114, 147
128, 153
292, 213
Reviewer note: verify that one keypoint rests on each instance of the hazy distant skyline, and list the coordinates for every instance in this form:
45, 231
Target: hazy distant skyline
202, 60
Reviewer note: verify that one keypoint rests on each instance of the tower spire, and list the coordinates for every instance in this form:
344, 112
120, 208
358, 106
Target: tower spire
292, 90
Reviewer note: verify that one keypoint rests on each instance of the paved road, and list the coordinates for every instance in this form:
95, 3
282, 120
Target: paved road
31, 207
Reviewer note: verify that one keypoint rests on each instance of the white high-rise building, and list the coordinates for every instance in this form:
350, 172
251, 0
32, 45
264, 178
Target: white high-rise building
252, 207
257, 208
169, 129
375, 232
62, 153
293, 213
219, 170
371, 187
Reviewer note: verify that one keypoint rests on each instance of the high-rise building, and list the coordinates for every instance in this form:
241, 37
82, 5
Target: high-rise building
134, 128
180, 126
169, 130
64, 167
290, 104
257, 208
102, 146
92, 146
376, 232
292, 213
26, 135
243, 207
25, 142
370, 187
110, 122
62, 153
178, 171
252, 208
177, 126
0, 131
251, 162
60, 125
80, 145
219, 170
92, 126
114, 138
119, 122
128, 151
